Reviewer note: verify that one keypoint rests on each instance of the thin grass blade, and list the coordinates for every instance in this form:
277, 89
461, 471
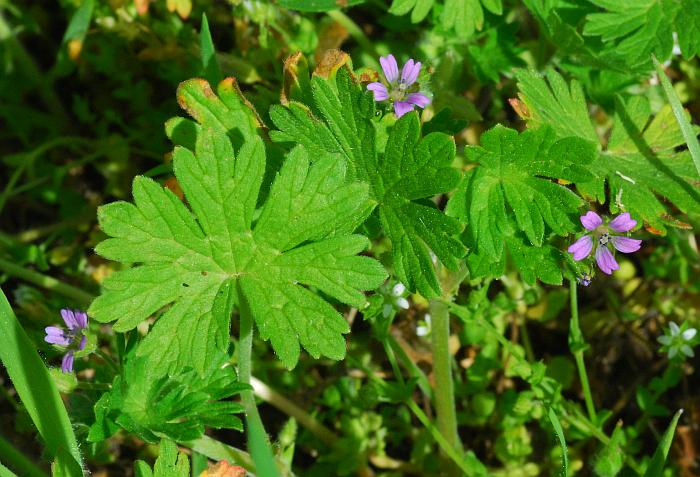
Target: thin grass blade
691, 138
656, 466
37, 390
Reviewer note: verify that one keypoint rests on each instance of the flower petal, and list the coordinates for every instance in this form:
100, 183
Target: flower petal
83, 342
69, 318
81, 317
623, 223
55, 335
625, 244
688, 351
402, 107
390, 67
379, 90
674, 328
591, 220
67, 362
410, 72
419, 99
672, 352
401, 302
606, 261
664, 340
398, 289
689, 334
582, 247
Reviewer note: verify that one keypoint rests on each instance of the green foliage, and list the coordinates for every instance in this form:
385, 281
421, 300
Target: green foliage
317, 5
410, 169
633, 30
150, 404
234, 228
640, 164
170, 463
509, 204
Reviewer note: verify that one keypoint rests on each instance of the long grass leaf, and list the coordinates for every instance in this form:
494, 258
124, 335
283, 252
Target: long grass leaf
212, 72
691, 139
656, 466
35, 387
562, 442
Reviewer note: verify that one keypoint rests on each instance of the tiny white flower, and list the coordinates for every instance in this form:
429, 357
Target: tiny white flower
423, 328
678, 341
394, 299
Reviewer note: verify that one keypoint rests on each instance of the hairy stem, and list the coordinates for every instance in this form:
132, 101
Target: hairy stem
576, 344
258, 442
274, 398
442, 368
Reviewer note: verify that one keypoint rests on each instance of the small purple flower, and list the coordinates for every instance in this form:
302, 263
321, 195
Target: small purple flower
402, 91
73, 338
601, 239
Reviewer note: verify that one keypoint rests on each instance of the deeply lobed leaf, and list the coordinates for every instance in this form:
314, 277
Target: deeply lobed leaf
191, 258
411, 168
508, 203
640, 165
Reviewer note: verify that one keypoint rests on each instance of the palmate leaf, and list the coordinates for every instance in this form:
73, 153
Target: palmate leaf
509, 204
639, 165
197, 259
410, 169
634, 29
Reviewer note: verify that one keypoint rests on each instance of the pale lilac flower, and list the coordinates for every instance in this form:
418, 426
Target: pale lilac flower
402, 90
601, 239
678, 341
73, 338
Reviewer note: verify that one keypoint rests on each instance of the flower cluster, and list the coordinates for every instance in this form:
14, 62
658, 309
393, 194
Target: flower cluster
678, 341
394, 300
402, 91
74, 338
602, 238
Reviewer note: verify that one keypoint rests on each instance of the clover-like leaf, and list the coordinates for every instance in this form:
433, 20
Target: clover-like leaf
639, 165
196, 259
410, 169
509, 203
